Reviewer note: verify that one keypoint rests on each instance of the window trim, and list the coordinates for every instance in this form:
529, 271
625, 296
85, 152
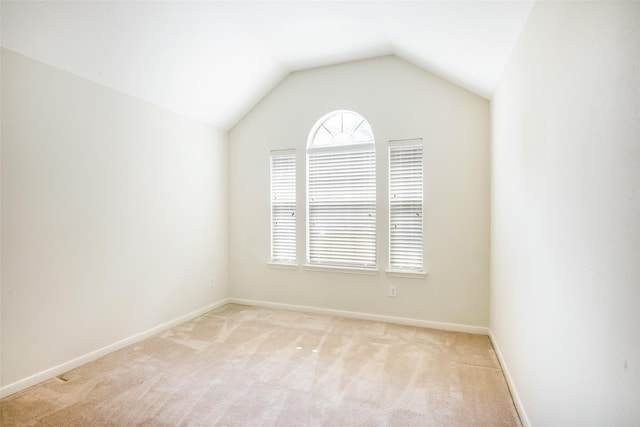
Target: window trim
340, 148
283, 262
407, 274
340, 269
283, 265
395, 271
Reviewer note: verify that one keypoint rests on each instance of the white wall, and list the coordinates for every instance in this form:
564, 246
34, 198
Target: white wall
1, 352
114, 216
399, 101
566, 215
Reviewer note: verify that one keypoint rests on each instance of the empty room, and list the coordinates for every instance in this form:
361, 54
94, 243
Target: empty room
320, 213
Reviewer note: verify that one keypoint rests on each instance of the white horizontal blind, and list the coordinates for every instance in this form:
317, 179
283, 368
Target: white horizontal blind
342, 206
283, 206
405, 205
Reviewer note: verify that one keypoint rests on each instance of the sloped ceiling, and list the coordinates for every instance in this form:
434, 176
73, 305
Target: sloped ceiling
213, 61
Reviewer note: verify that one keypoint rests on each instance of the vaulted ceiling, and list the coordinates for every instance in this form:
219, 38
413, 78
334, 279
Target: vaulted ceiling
213, 61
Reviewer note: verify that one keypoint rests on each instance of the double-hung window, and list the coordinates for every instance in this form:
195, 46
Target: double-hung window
405, 206
341, 192
283, 207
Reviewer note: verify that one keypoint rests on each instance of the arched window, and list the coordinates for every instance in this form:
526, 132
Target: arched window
341, 192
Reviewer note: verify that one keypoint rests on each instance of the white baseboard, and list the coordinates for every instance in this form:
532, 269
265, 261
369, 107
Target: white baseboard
96, 354
512, 387
365, 316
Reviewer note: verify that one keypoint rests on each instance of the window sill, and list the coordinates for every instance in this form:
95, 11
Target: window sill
406, 274
336, 269
282, 265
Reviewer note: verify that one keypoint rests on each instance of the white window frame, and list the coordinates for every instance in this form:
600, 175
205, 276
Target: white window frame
283, 207
350, 189
406, 206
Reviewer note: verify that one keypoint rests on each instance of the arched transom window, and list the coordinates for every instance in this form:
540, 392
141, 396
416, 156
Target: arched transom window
341, 128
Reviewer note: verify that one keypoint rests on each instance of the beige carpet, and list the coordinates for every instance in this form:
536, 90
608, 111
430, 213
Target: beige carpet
250, 366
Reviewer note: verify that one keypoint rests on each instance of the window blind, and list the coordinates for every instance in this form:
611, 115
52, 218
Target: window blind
283, 206
342, 206
405, 205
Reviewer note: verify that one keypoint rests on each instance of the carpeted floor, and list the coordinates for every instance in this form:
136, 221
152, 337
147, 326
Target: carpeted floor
251, 366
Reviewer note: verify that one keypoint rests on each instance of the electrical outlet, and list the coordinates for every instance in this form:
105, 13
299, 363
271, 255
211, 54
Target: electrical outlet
211, 285
393, 291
